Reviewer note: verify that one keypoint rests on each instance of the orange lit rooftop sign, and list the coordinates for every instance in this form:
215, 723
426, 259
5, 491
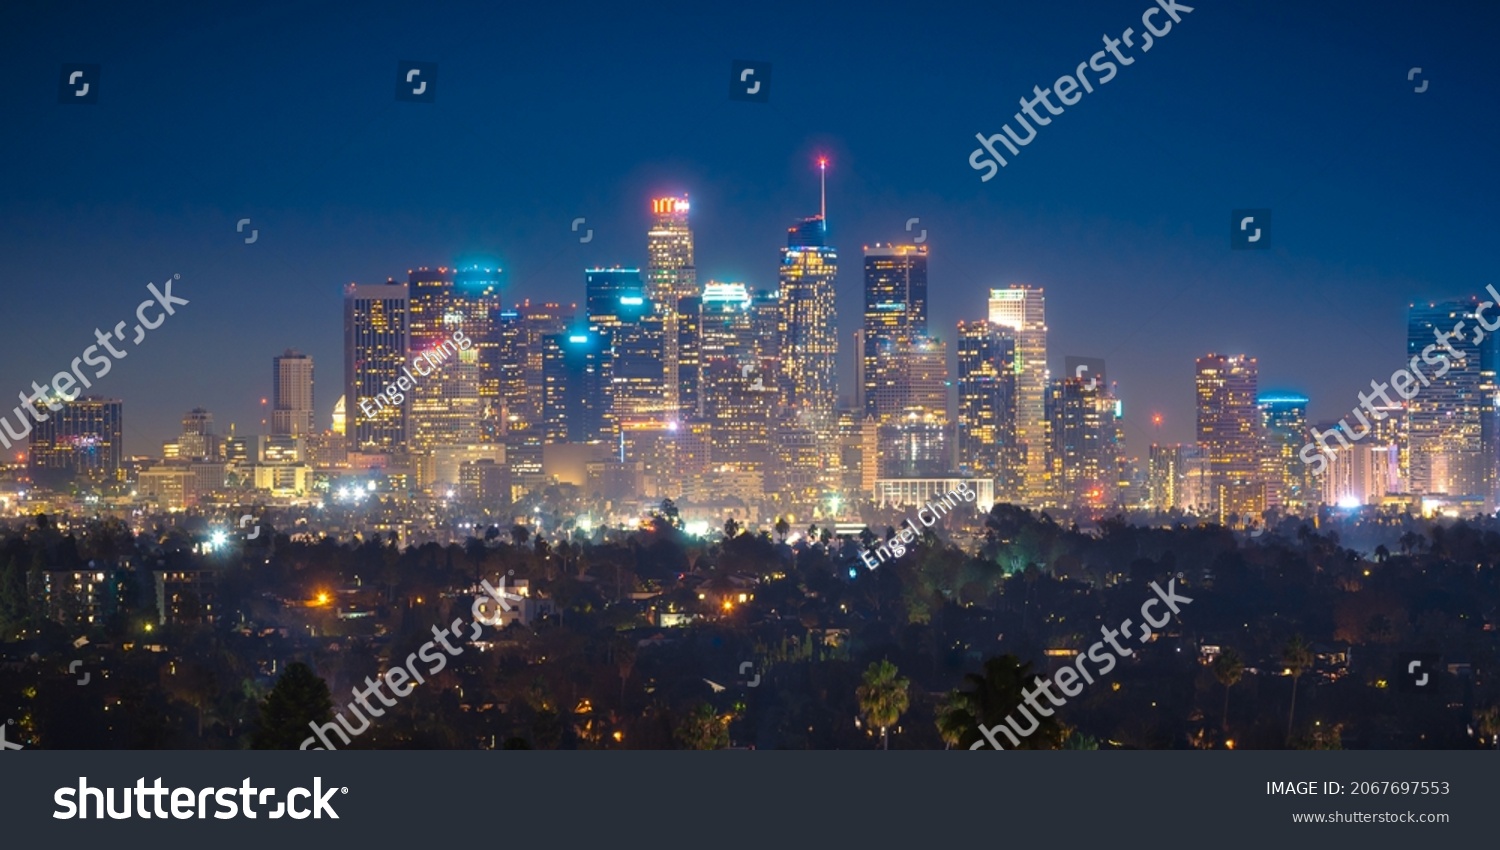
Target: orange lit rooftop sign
662, 206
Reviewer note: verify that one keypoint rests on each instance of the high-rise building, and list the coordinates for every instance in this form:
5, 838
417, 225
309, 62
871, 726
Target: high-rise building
986, 421
1022, 309
1085, 453
915, 445
670, 277
608, 293
292, 395
575, 398
1166, 467
376, 343
1229, 435
634, 370
808, 332
1453, 444
445, 406
477, 299
198, 441
76, 441
895, 314
1284, 431
522, 385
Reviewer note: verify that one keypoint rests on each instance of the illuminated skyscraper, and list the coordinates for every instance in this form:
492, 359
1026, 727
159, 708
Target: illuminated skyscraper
575, 396
1284, 430
809, 340
375, 348
80, 441
986, 421
476, 298
895, 314
1085, 453
1165, 467
446, 408
670, 277
292, 395
198, 441
1229, 435
618, 308
1022, 308
522, 381
608, 292
1452, 419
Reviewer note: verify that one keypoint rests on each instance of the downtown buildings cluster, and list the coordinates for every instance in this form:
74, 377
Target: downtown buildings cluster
725, 397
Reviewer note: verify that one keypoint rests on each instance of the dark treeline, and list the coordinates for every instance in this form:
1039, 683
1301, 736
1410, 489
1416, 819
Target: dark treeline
1290, 640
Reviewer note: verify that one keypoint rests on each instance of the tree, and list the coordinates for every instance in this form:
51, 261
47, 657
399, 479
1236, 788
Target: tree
702, 729
1298, 658
669, 514
1228, 668
783, 528
731, 529
299, 699
883, 697
989, 699
1487, 723
519, 534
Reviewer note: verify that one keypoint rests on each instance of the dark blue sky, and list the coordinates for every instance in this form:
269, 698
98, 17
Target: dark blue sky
284, 113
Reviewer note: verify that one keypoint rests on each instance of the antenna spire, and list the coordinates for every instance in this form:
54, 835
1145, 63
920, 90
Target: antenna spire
823, 181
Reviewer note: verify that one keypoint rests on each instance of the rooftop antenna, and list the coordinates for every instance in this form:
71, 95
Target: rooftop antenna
823, 180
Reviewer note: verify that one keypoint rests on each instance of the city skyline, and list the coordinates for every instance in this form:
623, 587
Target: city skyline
1140, 274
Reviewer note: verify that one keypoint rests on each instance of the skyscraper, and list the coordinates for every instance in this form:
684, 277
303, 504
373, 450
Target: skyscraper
523, 384
1022, 308
292, 395
1284, 430
1229, 435
376, 343
1084, 456
670, 277
80, 440
634, 370
986, 421
575, 395
477, 299
895, 313
1451, 421
809, 340
445, 406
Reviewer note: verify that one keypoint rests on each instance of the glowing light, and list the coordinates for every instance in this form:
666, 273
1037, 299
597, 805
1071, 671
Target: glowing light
578, 338
218, 539
632, 300
663, 206
322, 598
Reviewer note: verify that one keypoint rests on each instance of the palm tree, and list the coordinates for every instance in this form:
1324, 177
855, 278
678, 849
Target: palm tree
703, 729
990, 698
1298, 658
882, 697
783, 528
952, 719
1228, 668
1488, 722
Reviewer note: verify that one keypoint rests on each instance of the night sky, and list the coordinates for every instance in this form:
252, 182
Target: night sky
284, 113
